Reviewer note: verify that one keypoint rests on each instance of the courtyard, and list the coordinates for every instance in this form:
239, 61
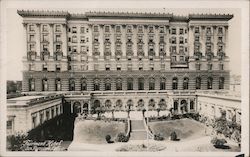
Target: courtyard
89, 135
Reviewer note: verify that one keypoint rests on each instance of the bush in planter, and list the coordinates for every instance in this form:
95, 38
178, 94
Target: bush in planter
173, 136
108, 139
158, 137
121, 137
219, 143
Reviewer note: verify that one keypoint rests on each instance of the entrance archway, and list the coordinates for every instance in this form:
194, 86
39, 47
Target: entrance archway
77, 107
184, 106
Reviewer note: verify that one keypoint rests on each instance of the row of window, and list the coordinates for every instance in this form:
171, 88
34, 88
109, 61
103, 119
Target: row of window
208, 39
208, 30
130, 84
44, 38
45, 28
75, 29
74, 39
129, 28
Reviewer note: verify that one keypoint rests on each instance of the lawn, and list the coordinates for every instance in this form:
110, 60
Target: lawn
184, 128
94, 132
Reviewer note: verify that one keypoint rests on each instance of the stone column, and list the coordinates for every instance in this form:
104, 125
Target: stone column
134, 41
51, 39
112, 40
191, 41
38, 38
203, 40
25, 39
156, 38
179, 106
145, 40
123, 39
188, 105
215, 40
167, 41
64, 40
37, 119
226, 40
89, 107
90, 36
71, 107
101, 39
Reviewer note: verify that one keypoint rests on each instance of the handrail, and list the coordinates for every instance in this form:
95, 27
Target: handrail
151, 135
129, 128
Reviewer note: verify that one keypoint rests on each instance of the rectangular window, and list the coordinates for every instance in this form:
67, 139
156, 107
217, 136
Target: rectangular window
74, 39
31, 28
82, 30
95, 28
32, 38
45, 47
45, 28
196, 30
106, 29
82, 39
74, 49
173, 31
74, 30
181, 31
32, 47
45, 37
198, 66
58, 47
58, 28
58, 38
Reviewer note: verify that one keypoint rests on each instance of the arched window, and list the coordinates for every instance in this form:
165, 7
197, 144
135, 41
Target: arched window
58, 84
71, 84
31, 84
83, 84
118, 105
185, 83
210, 83
108, 104
163, 84
140, 105
96, 85
107, 84
140, 83
175, 83
130, 104
119, 84
221, 82
151, 104
162, 104
151, 84
198, 83
130, 83
45, 84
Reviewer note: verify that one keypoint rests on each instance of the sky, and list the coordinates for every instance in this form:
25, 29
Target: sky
15, 35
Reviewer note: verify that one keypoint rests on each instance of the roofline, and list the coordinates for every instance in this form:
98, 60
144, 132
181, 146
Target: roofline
126, 15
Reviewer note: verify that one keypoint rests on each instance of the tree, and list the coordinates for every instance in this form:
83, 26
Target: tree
236, 136
221, 125
11, 87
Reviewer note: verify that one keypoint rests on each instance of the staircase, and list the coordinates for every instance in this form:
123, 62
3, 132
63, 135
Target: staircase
138, 131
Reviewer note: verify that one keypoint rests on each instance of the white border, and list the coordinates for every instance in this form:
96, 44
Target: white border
243, 5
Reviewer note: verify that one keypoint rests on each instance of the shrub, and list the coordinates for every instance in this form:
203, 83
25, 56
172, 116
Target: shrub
108, 138
173, 136
122, 138
218, 143
158, 137
15, 142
